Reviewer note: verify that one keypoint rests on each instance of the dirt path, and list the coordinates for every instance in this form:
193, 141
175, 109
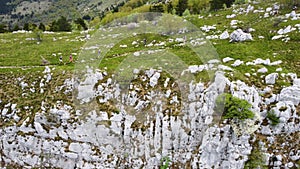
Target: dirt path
23, 67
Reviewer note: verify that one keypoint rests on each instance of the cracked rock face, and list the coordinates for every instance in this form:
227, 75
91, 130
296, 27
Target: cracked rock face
140, 126
103, 139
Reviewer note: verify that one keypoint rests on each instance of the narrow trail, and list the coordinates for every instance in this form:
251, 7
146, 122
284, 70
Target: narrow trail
25, 67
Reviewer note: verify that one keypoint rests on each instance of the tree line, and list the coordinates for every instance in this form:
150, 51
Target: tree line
59, 25
184, 7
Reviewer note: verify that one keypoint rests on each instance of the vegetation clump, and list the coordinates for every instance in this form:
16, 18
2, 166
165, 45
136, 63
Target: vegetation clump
256, 159
273, 118
233, 108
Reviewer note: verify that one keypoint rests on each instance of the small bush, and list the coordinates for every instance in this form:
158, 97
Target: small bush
256, 159
233, 108
165, 162
186, 13
273, 118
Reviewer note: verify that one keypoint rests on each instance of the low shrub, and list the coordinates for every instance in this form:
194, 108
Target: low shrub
232, 107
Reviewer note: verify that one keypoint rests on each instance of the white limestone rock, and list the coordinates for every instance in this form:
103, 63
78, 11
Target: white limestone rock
71, 155
38, 127
154, 79
75, 147
207, 28
224, 68
23, 85
224, 35
230, 16
247, 74
262, 70
278, 37
240, 36
265, 130
227, 59
193, 69
271, 78
86, 88
237, 63
286, 30
291, 93
47, 70
136, 53
213, 61
296, 82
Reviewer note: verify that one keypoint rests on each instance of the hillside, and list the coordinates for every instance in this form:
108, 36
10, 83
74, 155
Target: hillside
209, 89
36, 11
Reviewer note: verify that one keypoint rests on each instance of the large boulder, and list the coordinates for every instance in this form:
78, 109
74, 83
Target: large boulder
240, 36
291, 93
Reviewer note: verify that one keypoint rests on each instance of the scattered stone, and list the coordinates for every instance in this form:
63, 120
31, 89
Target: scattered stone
206, 28
224, 68
193, 68
286, 30
240, 36
262, 70
227, 59
154, 79
75, 147
271, 78
224, 35
230, 16
123, 46
237, 63
214, 61
291, 93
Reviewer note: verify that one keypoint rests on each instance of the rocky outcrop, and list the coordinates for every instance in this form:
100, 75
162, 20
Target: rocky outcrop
240, 36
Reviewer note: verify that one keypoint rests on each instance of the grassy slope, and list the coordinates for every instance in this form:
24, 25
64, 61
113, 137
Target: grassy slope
16, 51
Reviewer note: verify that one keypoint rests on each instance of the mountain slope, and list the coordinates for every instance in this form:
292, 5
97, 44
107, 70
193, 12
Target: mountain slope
21, 11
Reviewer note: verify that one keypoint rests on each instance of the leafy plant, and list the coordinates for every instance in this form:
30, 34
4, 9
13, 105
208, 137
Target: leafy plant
256, 159
273, 118
165, 162
233, 107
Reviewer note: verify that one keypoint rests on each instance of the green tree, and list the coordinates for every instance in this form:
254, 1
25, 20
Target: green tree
81, 23
196, 6
63, 24
16, 27
219, 4
54, 27
26, 26
216, 4
169, 7
42, 27
3, 28
32, 26
38, 34
181, 7
186, 12
86, 17
228, 3
157, 8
